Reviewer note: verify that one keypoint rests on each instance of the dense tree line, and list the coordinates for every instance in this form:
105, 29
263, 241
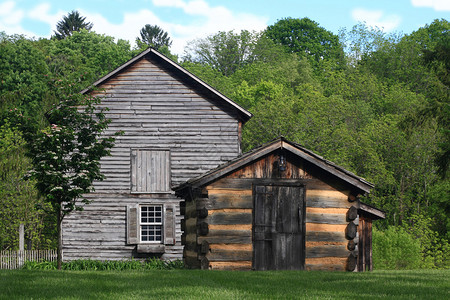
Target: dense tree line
374, 103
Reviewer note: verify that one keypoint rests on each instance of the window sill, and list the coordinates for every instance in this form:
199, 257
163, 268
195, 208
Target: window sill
151, 248
167, 192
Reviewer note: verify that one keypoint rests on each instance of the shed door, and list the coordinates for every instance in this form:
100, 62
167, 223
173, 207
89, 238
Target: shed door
279, 226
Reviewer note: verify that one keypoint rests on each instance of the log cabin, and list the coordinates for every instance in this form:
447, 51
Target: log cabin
175, 127
277, 207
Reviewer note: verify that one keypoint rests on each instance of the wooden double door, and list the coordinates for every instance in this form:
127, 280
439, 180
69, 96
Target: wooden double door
279, 227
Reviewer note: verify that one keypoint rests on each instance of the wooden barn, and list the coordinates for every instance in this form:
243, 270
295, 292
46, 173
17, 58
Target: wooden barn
176, 127
279, 206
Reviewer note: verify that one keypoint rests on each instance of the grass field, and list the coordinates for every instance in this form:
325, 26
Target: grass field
196, 284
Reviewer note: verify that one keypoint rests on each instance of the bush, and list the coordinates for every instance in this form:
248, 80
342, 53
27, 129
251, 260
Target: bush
109, 265
395, 249
435, 249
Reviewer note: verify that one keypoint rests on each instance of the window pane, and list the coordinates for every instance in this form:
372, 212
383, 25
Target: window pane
151, 233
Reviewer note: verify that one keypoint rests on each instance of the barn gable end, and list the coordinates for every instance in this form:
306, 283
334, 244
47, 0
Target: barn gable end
175, 127
279, 206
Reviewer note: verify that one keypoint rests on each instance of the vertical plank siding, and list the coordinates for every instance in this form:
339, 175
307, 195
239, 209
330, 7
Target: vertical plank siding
156, 111
325, 217
11, 260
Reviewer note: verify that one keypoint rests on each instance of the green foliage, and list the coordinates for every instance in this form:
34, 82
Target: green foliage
307, 38
71, 23
224, 51
18, 198
109, 265
65, 155
395, 249
153, 36
85, 56
434, 249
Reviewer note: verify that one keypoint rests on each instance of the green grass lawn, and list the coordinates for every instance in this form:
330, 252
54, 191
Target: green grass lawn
196, 284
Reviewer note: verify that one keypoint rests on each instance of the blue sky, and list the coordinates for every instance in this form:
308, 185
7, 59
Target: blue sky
186, 20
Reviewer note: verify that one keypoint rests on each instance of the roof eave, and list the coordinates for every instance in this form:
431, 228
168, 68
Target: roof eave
244, 115
373, 211
280, 143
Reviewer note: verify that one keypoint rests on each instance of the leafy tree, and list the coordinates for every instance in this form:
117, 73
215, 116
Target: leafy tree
18, 198
65, 154
153, 36
224, 51
363, 40
71, 23
85, 56
307, 38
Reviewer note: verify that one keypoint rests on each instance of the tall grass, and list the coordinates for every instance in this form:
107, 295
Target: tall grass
111, 265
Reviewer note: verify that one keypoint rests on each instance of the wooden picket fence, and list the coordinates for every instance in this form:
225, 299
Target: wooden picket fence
10, 260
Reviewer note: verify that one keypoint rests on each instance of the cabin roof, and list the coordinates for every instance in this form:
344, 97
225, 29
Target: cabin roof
243, 114
374, 212
279, 143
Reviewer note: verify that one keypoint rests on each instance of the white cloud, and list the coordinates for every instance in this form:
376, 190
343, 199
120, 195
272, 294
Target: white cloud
214, 19
376, 18
41, 13
128, 29
438, 5
10, 19
204, 19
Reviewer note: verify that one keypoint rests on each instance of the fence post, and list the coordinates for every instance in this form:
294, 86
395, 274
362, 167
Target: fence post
21, 237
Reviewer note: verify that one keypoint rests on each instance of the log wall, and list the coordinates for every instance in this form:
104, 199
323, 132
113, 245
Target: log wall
156, 109
223, 238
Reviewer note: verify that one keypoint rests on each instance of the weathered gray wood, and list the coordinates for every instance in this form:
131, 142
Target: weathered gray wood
169, 225
229, 218
279, 227
352, 213
335, 219
372, 211
158, 112
204, 263
325, 202
202, 213
229, 239
204, 247
148, 248
150, 171
229, 255
22, 237
218, 201
216, 236
327, 251
351, 262
351, 245
132, 225
203, 228
350, 231
323, 236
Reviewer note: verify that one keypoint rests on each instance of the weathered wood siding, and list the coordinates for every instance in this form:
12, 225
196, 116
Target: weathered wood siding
227, 228
157, 111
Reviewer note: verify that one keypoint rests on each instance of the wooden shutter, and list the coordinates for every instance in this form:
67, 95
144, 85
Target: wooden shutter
150, 171
133, 224
169, 225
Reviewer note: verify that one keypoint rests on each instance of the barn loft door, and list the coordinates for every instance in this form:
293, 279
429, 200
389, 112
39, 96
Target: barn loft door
278, 229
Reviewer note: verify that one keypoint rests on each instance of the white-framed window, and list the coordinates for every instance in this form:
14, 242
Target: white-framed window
151, 223
150, 171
